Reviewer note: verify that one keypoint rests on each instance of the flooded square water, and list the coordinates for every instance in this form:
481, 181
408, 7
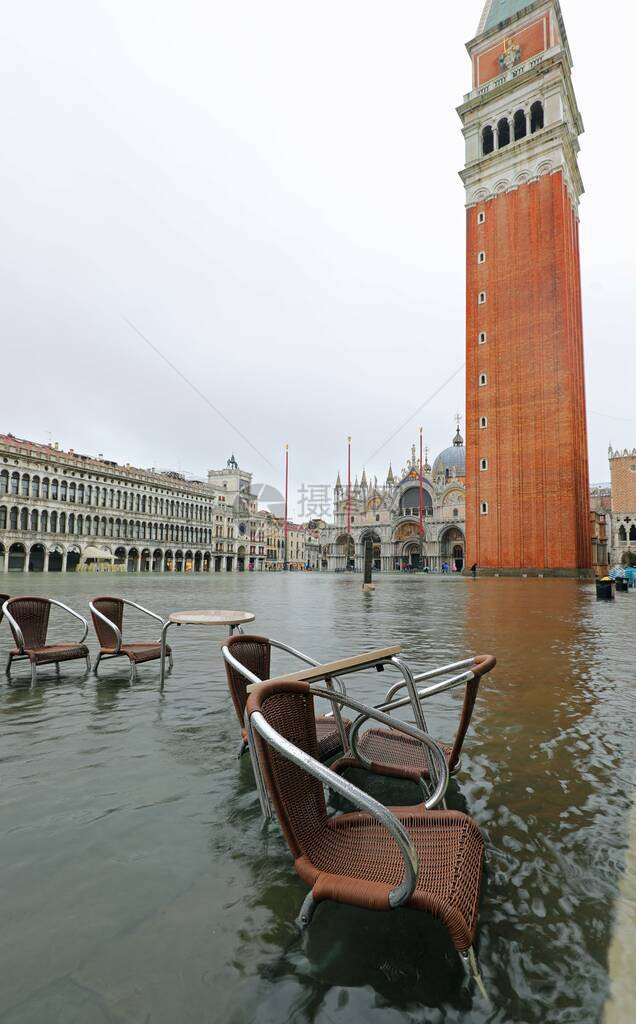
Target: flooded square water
139, 885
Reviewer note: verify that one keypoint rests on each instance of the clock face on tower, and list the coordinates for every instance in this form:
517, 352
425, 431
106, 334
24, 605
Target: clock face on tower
242, 529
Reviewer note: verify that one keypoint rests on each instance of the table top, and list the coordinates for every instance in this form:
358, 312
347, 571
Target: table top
211, 617
334, 668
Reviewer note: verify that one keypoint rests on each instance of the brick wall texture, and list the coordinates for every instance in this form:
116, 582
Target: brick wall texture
623, 471
536, 484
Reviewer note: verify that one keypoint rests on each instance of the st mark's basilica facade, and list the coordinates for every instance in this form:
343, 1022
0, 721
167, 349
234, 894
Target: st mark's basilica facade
388, 516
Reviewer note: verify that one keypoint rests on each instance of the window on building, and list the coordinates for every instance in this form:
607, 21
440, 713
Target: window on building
483, 423
521, 129
483, 337
35, 487
24, 488
487, 140
536, 117
13, 519
622, 533
15, 483
482, 298
483, 508
481, 217
3, 518
63, 490
632, 533
483, 380
483, 465
503, 132
481, 257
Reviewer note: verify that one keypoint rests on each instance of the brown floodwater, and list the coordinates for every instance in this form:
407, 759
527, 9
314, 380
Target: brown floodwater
138, 884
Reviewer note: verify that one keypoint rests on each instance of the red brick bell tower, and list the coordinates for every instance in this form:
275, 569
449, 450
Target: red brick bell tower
527, 486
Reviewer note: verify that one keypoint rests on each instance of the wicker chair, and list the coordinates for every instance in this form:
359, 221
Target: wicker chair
254, 655
108, 618
386, 752
378, 859
28, 618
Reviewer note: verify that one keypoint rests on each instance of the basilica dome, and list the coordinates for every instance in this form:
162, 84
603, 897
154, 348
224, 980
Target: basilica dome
453, 458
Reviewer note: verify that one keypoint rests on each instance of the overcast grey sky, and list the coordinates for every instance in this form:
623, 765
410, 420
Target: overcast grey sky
269, 191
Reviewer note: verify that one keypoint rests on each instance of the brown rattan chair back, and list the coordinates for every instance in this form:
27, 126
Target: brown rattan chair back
298, 798
255, 654
32, 616
113, 609
483, 664
3, 599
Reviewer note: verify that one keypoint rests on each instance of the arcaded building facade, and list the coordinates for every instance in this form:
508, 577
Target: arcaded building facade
527, 485
60, 511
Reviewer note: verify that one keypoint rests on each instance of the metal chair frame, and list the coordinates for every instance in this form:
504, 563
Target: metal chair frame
401, 895
118, 635
251, 678
19, 638
391, 704
409, 681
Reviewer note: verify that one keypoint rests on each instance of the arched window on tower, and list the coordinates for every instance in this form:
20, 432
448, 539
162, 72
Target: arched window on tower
632, 533
622, 534
536, 117
487, 140
503, 132
521, 129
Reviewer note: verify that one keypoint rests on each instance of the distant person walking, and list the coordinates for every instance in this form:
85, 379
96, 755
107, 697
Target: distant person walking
474, 571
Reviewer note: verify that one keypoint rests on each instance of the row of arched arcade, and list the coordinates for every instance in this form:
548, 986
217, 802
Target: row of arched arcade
20, 557
403, 548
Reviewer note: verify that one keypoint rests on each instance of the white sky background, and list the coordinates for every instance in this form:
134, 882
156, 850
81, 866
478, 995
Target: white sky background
268, 189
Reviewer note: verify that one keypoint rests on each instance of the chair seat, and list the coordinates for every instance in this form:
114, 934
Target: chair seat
137, 652
51, 653
392, 753
355, 860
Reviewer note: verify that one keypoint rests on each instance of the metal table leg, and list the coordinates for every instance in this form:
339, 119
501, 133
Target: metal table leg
162, 660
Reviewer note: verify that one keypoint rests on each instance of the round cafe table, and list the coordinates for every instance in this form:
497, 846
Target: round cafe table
205, 617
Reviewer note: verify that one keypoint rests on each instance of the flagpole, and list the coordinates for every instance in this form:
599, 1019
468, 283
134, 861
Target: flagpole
286, 496
421, 487
348, 493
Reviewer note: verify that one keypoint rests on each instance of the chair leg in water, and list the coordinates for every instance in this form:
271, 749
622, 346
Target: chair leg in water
471, 966
306, 911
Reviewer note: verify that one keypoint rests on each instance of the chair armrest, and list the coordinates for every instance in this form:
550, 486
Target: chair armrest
365, 712
306, 658
76, 615
107, 622
146, 611
238, 667
363, 801
423, 677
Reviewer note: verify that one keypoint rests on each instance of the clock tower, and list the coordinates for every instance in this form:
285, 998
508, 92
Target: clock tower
527, 483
